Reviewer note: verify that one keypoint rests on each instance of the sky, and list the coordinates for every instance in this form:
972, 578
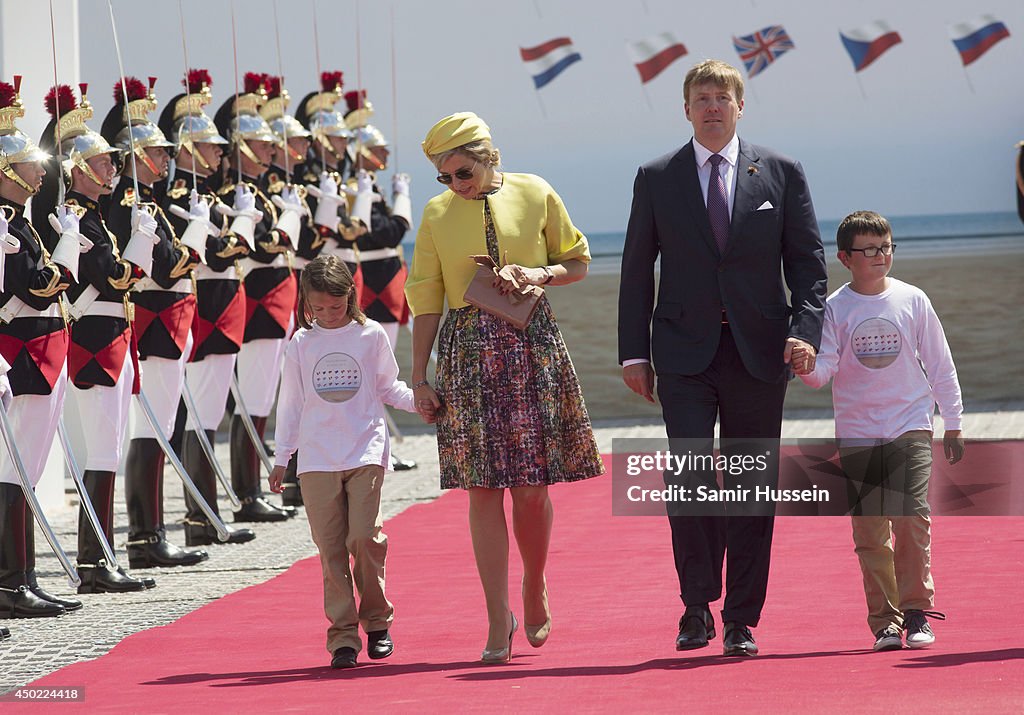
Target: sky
907, 135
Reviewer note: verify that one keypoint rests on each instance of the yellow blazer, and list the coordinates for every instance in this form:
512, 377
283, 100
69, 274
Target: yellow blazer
531, 223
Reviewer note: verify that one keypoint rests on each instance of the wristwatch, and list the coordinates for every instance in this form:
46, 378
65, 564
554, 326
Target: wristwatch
549, 273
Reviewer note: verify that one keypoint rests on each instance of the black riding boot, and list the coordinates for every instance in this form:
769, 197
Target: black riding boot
69, 604
198, 529
17, 600
144, 493
97, 575
292, 495
245, 475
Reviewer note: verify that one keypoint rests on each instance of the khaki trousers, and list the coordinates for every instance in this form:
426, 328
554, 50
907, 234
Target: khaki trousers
892, 525
343, 509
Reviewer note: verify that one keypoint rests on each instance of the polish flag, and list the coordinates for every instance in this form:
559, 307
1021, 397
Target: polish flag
866, 44
973, 38
654, 54
547, 61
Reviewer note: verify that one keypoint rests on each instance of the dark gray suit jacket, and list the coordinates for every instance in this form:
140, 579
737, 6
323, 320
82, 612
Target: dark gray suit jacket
669, 218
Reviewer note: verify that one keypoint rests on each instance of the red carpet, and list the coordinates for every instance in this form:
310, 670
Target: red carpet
612, 648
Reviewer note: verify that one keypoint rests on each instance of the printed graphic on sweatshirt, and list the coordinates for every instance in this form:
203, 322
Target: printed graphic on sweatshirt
876, 343
337, 377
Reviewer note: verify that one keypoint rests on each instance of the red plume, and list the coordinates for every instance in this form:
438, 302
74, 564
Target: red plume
196, 80
355, 99
273, 85
136, 90
254, 81
329, 81
67, 100
7, 95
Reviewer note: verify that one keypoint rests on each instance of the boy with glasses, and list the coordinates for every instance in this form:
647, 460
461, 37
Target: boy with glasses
885, 348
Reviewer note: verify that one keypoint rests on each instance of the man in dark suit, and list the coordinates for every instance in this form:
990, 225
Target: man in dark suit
724, 216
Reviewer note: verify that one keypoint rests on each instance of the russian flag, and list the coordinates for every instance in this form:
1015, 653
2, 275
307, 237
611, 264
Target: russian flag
867, 43
973, 38
652, 55
547, 61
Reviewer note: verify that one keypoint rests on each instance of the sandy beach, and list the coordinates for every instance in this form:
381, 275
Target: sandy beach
978, 298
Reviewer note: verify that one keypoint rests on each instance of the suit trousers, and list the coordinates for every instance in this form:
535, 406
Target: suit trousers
344, 515
746, 408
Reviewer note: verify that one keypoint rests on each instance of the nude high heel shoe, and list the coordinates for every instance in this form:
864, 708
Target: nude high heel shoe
501, 655
538, 635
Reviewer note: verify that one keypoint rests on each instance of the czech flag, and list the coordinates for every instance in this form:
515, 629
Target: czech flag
867, 43
652, 55
547, 61
973, 38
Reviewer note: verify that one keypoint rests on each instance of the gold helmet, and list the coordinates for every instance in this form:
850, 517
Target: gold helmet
365, 136
128, 125
317, 112
281, 123
15, 146
185, 123
76, 142
239, 119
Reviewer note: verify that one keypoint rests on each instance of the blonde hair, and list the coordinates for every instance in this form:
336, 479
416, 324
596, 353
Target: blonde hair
482, 151
328, 274
716, 72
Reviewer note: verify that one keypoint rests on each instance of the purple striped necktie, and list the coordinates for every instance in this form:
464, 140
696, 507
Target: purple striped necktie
718, 204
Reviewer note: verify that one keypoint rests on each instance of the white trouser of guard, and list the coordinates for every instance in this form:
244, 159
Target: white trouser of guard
162, 381
210, 381
33, 421
259, 371
103, 414
391, 330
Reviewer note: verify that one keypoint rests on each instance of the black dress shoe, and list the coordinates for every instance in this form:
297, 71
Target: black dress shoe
100, 578
738, 640
69, 604
146, 580
258, 509
344, 657
203, 534
696, 627
379, 645
20, 602
4, 634
292, 495
146, 551
402, 465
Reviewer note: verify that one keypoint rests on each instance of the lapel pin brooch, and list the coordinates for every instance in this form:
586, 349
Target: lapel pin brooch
751, 170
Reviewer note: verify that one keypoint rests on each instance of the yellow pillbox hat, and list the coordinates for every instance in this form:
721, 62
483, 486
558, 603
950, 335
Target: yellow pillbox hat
454, 131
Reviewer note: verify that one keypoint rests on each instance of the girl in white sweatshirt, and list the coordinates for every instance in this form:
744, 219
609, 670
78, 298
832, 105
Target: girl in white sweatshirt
339, 372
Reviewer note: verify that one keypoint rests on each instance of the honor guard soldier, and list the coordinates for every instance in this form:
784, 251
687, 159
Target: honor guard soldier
380, 258
220, 301
34, 344
270, 287
327, 161
164, 309
101, 358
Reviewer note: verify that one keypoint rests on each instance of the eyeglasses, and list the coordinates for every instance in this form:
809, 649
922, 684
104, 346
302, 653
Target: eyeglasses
886, 249
461, 175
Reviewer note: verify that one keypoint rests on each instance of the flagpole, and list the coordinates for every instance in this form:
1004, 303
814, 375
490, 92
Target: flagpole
536, 6
643, 87
543, 111
861, 86
968, 78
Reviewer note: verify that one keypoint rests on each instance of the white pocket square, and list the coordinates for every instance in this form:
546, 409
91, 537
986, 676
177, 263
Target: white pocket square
765, 206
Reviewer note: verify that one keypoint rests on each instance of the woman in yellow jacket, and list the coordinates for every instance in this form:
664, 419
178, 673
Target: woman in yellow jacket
508, 405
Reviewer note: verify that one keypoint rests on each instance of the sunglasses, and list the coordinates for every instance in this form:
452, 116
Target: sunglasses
461, 175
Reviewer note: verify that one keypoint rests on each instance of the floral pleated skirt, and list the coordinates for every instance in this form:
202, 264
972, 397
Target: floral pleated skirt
513, 410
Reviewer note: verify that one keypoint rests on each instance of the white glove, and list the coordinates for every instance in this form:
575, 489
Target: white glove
199, 224
71, 244
364, 197
403, 204
328, 201
139, 250
8, 244
289, 222
245, 213
6, 395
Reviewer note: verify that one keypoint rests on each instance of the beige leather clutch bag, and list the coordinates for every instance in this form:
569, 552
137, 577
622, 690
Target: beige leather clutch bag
516, 308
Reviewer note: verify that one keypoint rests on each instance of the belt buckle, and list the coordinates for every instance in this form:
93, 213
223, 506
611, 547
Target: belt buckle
725, 317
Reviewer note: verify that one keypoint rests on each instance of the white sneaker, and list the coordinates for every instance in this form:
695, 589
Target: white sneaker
889, 638
919, 633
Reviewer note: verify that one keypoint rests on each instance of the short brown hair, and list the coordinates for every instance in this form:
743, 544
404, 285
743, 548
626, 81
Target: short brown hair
861, 223
328, 274
716, 72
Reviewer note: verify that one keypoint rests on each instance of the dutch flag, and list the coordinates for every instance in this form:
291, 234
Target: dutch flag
973, 38
654, 54
867, 43
547, 61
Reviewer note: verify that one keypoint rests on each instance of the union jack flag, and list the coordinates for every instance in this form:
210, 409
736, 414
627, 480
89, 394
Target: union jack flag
762, 48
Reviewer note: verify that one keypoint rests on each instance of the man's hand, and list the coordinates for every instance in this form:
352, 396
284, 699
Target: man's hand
799, 355
953, 445
640, 379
